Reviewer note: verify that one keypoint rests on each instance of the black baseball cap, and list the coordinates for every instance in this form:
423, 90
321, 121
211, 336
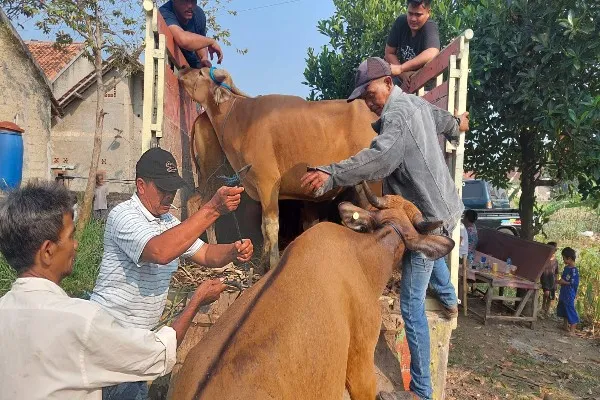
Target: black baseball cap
160, 166
370, 69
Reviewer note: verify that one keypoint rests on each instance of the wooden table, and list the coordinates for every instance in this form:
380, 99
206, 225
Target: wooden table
502, 280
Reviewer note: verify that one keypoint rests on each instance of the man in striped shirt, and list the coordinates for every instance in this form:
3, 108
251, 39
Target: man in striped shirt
143, 243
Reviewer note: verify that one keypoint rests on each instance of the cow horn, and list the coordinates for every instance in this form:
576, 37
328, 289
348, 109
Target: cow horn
377, 202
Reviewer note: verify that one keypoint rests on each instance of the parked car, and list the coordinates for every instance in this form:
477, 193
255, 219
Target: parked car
492, 206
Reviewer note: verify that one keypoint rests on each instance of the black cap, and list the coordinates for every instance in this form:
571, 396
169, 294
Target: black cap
370, 69
160, 166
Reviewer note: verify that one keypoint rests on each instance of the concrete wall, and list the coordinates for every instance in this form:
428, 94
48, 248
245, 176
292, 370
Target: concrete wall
72, 137
25, 99
74, 73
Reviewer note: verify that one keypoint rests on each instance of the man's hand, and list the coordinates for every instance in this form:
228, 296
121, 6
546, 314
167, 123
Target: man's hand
226, 199
463, 126
314, 180
205, 63
213, 49
396, 69
209, 291
243, 250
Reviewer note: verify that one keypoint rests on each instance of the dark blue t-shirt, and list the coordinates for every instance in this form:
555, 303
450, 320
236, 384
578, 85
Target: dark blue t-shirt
196, 25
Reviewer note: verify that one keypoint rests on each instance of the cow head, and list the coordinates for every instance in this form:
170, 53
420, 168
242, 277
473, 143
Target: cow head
206, 89
403, 217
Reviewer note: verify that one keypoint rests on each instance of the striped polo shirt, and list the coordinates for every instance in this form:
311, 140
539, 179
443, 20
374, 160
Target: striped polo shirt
135, 292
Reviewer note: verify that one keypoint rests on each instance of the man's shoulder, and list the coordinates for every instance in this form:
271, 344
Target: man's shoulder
167, 7
430, 24
401, 20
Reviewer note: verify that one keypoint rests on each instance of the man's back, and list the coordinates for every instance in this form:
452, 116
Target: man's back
57, 347
423, 177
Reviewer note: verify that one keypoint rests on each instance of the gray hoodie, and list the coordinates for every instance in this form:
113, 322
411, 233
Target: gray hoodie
406, 154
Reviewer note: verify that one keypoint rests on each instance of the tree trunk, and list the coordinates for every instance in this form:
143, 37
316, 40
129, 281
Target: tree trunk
88, 197
528, 171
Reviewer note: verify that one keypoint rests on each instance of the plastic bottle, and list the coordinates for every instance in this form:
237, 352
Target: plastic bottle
508, 265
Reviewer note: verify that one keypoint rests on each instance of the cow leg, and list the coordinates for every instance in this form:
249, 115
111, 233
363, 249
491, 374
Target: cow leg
361, 381
310, 215
269, 200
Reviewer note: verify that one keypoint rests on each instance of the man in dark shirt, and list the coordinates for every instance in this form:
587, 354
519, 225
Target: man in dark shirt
413, 40
187, 23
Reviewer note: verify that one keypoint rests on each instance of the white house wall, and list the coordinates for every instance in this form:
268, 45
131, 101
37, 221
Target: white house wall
72, 137
25, 99
71, 75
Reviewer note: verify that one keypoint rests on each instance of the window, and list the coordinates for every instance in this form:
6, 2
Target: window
111, 92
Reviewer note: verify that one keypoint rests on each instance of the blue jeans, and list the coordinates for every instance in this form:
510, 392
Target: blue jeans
417, 273
126, 391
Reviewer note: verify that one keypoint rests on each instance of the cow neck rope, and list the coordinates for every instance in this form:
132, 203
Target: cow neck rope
395, 228
227, 118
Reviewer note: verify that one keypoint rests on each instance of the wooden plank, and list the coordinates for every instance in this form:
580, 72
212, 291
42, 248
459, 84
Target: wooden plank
438, 96
433, 67
507, 298
148, 100
522, 303
488, 303
510, 318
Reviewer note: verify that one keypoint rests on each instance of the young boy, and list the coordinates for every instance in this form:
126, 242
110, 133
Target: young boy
548, 281
568, 290
469, 219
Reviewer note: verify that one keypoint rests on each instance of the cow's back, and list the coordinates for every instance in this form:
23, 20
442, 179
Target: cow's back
288, 336
279, 135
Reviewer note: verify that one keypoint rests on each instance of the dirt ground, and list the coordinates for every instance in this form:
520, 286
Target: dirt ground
512, 361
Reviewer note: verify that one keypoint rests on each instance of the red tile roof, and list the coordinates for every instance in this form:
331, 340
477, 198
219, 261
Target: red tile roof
51, 59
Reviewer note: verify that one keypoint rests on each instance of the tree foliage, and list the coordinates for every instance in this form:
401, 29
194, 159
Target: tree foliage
533, 89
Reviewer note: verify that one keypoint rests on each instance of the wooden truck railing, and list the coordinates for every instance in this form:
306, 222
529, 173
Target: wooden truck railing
450, 71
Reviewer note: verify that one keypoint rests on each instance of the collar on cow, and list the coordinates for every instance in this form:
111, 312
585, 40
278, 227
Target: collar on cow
212, 76
395, 228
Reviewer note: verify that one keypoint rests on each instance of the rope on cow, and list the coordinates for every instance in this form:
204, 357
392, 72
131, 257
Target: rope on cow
212, 76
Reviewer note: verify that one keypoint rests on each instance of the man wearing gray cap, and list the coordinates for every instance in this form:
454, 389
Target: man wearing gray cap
406, 154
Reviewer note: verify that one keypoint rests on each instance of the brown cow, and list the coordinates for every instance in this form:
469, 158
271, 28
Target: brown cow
279, 136
309, 328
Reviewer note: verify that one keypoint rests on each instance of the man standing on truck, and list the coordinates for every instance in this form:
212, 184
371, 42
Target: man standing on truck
187, 23
413, 41
407, 156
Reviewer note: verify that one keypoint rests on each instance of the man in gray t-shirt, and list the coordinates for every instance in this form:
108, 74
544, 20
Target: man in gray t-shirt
413, 41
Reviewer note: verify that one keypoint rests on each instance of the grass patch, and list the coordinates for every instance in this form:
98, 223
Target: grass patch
89, 254
565, 227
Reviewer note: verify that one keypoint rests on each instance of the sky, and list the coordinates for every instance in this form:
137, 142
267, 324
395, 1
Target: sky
277, 34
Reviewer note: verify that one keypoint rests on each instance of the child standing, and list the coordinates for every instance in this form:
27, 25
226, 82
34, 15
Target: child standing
569, 283
468, 221
100, 195
548, 281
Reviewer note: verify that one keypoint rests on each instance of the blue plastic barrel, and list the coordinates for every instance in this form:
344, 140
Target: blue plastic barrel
11, 156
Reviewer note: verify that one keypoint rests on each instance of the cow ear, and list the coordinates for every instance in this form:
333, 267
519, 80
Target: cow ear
428, 226
221, 95
356, 218
432, 246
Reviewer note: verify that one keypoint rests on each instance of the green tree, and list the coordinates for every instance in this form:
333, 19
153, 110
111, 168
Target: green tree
356, 31
534, 94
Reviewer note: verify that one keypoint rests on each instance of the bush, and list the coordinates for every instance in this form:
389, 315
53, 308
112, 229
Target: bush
588, 297
89, 254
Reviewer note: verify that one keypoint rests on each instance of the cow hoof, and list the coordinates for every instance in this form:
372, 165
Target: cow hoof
397, 396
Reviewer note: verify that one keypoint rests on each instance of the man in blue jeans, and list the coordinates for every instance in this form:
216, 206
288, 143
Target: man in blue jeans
406, 154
